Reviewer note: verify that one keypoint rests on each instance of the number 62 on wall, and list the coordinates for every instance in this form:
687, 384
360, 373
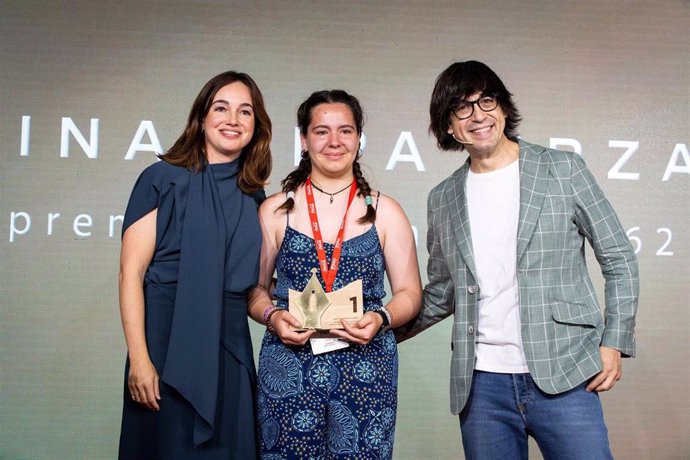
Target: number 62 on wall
637, 241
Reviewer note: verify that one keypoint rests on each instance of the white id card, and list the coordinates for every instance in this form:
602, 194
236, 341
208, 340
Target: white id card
324, 345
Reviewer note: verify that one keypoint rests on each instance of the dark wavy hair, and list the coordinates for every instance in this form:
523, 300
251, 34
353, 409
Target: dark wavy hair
458, 82
189, 151
303, 170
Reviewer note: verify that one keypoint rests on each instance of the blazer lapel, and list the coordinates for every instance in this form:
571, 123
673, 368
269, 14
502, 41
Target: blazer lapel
534, 174
457, 204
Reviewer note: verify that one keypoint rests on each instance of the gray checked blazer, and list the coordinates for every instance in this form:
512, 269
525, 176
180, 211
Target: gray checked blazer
562, 324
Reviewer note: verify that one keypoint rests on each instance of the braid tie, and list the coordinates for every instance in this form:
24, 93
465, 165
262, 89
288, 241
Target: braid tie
293, 180
364, 190
299, 176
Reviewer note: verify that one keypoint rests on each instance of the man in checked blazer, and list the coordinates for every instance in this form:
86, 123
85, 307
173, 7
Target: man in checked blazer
506, 241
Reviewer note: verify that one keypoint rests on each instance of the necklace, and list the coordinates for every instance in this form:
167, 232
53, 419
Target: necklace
328, 272
331, 194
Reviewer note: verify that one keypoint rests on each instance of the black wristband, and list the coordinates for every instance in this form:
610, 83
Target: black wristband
385, 325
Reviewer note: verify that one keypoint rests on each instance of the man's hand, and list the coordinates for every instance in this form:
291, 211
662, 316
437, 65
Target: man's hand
612, 370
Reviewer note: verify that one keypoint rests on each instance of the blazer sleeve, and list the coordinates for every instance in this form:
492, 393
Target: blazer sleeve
598, 222
438, 300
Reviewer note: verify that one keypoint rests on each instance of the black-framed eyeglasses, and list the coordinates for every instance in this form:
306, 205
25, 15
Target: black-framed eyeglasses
465, 109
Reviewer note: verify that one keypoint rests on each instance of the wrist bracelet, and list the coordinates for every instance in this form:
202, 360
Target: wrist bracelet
268, 312
389, 315
269, 324
385, 324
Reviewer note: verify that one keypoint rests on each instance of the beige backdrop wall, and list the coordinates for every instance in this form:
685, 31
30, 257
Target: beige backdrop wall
90, 90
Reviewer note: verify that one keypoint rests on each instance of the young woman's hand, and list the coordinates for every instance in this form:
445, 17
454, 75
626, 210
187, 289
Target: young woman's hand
362, 331
283, 323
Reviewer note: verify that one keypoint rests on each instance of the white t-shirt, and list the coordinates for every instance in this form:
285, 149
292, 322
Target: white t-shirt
493, 200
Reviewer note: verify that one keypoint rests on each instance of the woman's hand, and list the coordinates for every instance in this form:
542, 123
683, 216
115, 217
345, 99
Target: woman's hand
362, 331
283, 322
143, 384
138, 246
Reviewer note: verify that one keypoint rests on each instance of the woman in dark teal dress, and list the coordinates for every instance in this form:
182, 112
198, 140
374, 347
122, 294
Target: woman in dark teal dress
333, 395
190, 254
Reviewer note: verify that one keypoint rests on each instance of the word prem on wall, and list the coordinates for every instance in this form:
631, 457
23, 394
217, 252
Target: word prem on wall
20, 224
82, 224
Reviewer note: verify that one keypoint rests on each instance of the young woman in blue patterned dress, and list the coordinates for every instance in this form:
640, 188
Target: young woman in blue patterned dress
341, 403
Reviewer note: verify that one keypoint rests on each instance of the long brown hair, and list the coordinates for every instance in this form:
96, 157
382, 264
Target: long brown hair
303, 170
189, 151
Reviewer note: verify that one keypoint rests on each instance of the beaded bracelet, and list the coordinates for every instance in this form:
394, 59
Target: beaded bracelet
268, 312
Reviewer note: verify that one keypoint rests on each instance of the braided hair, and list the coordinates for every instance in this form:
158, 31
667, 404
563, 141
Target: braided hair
299, 176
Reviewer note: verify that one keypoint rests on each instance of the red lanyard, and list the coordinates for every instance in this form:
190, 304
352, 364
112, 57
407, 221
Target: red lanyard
328, 274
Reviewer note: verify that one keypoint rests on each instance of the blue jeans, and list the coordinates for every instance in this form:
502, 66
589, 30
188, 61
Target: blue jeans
504, 409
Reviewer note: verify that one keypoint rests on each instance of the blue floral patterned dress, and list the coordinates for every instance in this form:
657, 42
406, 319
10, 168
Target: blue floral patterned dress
340, 404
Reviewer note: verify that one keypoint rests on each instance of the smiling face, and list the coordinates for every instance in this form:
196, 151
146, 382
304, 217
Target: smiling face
229, 123
332, 141
482, 132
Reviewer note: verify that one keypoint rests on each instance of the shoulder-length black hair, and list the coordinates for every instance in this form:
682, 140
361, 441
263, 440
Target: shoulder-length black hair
458, 82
